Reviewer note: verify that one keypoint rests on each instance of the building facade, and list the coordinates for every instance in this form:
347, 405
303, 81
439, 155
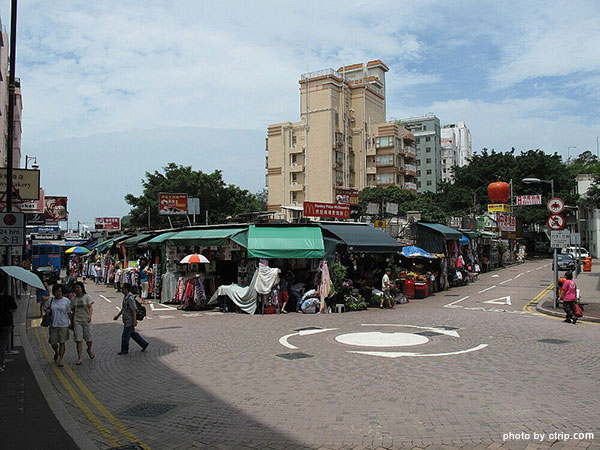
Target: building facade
4, 66
341, 141
461, 136
427, 132
449, 158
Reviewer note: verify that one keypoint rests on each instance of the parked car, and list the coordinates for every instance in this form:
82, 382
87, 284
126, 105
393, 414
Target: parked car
565, 262
49, 274
583, 253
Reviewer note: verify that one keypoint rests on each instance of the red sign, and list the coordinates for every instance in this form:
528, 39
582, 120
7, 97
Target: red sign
327, 210
107, 223
556, 222
506, 222
55, 208
172, 204
529, 200
346, 196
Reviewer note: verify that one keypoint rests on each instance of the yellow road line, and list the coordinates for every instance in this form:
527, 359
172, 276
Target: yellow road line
84, 389
528, 307
78, 401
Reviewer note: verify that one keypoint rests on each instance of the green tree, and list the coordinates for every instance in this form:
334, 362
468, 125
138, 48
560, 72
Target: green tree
216, 197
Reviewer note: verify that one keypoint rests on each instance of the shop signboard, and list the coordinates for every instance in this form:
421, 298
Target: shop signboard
172, 204
506, 222
48, 229
25, 181
498, 207
529, 200
346, 196
55, 208
36, 218
326, 210
107, 223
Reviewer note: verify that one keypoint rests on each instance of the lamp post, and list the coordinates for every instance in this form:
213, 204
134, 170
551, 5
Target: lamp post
555, 255
569, 148
35, 165
598, 146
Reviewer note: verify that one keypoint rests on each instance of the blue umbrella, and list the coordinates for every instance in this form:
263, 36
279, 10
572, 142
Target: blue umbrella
412, 251
24, 275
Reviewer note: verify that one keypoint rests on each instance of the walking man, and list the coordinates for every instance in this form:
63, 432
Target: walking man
128, 311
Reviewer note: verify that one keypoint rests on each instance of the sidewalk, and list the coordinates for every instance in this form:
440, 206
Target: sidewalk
27, 419
589, 287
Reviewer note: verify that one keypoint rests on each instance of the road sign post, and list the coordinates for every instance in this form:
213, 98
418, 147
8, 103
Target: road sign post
555, 222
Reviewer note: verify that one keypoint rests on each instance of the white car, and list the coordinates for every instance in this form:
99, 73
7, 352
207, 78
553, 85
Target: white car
583, 253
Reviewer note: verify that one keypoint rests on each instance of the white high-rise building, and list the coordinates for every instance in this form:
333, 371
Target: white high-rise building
449, 155
461, 137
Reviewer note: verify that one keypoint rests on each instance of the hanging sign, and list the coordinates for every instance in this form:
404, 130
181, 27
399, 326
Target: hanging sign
529, 200
506, 222
373, 208
327, 210
391, 208
556, 222
380, 224
498, 207
346, 196
172, 204
55, 208
555, 205
25, 181
107, 223
559, 239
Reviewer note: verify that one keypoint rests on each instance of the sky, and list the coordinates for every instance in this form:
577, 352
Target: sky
114, 89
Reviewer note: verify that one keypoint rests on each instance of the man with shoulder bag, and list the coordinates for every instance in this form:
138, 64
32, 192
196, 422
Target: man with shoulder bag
129, 314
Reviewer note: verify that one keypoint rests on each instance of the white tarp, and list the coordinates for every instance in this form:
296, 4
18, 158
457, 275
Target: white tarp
267, 278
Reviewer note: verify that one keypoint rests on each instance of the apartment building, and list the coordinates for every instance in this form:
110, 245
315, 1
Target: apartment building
427, 132
341, 140
449, 158
461, 136
4, 50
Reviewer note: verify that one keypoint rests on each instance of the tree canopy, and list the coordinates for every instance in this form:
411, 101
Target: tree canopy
217, 197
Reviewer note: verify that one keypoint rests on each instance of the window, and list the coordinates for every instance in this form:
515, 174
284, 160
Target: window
429, 183
418, 184
293, 139
385, 178
424, 127
427, 139
428, 150
418, 140
337, 119
418, 173
428, 161
428, 171
387, 141
294, 197
385, 160
418, 162
294, 178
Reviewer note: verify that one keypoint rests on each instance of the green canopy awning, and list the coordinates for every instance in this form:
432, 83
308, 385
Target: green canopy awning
363, 238
284, 242
449, 233
204, 237
472, 234
488, 235
135, 240
157, 240
109, 243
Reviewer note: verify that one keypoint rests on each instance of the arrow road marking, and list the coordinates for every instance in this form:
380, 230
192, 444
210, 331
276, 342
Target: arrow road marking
437, 330
284, 339
500, 301
451, 305
399, 354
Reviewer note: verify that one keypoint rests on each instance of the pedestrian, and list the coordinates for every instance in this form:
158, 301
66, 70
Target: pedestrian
144, 282
284, 296
7, 307
59, 327
97, 272
42, 295
569, 296
386, 287
81, 316
128, 311
69, 283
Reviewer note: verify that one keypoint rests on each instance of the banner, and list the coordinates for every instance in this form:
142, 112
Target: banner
107, 223
346, 196
506, 222
55, 208
391, 208
172, 204
327, 210
528, 200
498, 207
25, 181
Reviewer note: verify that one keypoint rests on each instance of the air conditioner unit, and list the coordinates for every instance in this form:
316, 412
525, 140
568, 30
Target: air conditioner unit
294, 183
293, 165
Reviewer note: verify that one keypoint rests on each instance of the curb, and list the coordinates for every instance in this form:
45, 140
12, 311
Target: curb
56, 405
558, 313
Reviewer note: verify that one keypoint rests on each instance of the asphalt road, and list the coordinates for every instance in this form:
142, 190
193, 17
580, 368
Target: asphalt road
467, 368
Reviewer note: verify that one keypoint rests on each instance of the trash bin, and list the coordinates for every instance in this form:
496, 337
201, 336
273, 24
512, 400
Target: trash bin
587, 264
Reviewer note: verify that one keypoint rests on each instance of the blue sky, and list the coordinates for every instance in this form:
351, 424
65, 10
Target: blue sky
113, 89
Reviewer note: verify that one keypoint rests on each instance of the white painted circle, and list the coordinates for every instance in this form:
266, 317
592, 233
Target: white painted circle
378, 339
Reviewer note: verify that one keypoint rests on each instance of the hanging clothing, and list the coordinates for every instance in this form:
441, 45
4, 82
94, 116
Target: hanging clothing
325, 285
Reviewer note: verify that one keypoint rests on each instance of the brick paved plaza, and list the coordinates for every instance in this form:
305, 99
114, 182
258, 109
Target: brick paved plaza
478, 375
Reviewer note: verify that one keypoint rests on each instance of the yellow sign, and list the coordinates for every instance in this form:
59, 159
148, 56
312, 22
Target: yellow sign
498, 207
380, 224
25, 181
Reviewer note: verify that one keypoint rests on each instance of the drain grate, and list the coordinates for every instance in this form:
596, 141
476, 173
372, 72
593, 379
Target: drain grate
128, 447
295, 355
553, 341
452, 295
307, 328
444, 327
148, 410
167, 328
429, 333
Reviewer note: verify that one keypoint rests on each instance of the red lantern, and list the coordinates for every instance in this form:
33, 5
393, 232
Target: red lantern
499, 192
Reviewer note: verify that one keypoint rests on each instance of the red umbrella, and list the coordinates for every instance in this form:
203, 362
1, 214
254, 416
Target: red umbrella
194, 258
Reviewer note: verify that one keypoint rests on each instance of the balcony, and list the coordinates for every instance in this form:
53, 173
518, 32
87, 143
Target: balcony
296, 168
410, 169
410, 152
410, 186
296, 187
371, 170
371, 151
296, 149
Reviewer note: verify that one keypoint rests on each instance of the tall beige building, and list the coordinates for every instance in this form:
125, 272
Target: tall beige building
341, 141
4, 47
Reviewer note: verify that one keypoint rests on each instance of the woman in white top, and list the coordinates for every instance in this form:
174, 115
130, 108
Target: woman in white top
59, 327
81, 312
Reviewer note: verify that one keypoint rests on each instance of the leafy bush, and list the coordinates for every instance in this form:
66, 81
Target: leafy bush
355, 302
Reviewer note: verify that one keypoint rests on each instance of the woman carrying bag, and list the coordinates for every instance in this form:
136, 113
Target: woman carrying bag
569, 298
60, 309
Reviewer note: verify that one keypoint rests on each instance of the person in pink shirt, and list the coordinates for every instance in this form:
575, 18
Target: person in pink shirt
569, 297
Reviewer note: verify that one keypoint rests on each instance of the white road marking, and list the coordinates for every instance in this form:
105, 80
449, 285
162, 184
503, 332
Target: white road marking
500, 301
529, 271
538, 268
522, 273
284, 339
481, 308
118, 308
436, 329
486, 289
451, 305
379, 339
215, 313
162, 307
192, 315
166, 317
109, 301
399, 354
506, 281
495, 276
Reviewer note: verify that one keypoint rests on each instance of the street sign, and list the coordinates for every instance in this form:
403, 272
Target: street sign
556, 222
560, 238
555, 205
575, 239
380, 224
529, 200
12, 229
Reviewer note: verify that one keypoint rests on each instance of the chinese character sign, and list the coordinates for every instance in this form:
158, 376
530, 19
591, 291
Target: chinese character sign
172, 204
529, 200
55, 208
327, 210
346, 196
506, 222
108, 223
